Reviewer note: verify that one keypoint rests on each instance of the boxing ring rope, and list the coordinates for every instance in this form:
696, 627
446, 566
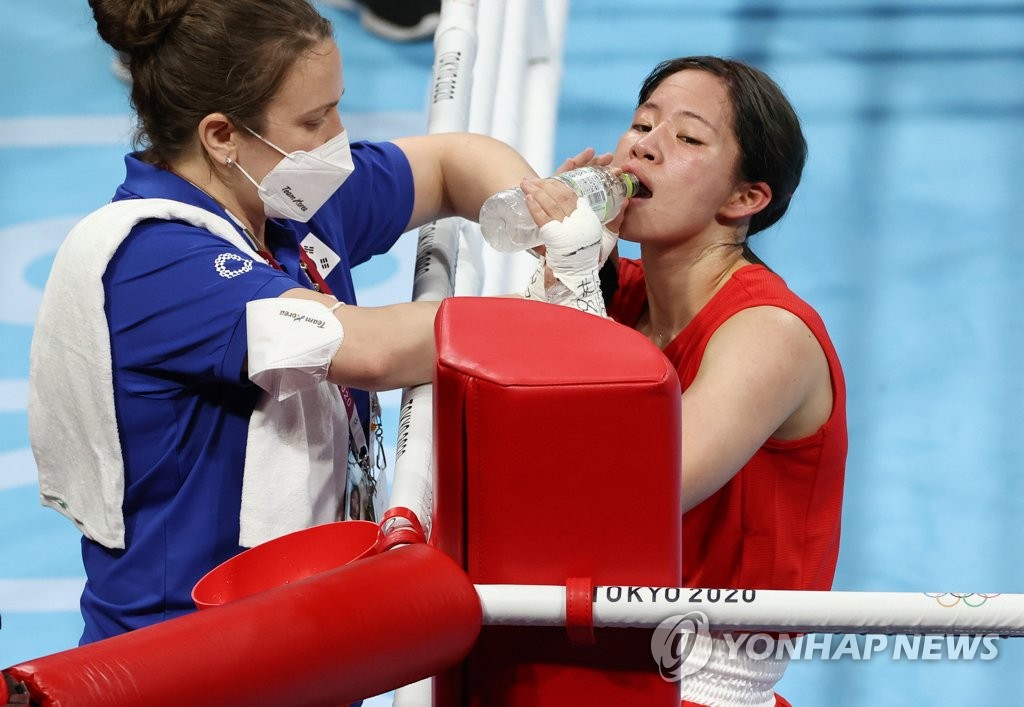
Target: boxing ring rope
751, 610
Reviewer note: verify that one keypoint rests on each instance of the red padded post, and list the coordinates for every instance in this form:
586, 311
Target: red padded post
557, 440
336, 637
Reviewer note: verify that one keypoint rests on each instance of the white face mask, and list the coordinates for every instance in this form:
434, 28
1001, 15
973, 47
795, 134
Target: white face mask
302, 181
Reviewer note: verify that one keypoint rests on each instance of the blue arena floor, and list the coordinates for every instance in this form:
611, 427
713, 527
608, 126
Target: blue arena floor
904, 235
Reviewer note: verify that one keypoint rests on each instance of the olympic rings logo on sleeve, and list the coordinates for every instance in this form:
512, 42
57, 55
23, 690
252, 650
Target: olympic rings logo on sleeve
221, 264
951, 599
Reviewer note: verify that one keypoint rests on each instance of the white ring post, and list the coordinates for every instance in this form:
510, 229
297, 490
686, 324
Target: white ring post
436, 254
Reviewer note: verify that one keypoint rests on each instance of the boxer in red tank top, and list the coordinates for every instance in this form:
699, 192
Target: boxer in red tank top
775, 523
718, 151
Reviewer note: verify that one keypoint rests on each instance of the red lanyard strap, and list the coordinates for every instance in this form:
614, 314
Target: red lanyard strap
309, 267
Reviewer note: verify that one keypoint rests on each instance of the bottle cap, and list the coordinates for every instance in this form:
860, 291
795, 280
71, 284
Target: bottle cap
631, 182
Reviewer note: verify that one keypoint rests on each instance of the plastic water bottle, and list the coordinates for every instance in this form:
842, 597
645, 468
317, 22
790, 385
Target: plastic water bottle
507, 225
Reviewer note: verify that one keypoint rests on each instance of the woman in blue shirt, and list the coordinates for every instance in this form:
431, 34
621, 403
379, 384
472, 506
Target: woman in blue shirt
192, 398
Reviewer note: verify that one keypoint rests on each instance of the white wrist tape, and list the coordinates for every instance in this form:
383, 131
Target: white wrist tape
556, 293
582, 293
291, 344
575, 248
573, 245
535, 287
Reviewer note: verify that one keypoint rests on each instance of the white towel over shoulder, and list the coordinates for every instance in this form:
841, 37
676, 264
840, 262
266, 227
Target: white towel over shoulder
291, 461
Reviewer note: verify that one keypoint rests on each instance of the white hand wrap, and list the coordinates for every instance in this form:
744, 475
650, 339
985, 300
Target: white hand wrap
576, 247
291, 344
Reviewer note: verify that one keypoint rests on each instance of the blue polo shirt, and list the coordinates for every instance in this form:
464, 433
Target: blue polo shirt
175, 305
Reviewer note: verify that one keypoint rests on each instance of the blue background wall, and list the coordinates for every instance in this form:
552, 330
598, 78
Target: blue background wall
904, 235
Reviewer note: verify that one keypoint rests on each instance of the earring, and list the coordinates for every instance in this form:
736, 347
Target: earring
228, 162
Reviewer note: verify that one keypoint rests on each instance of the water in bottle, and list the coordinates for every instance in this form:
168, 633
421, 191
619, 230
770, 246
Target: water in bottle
507, 225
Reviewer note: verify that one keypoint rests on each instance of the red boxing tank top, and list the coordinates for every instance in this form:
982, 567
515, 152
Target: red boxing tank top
775, 524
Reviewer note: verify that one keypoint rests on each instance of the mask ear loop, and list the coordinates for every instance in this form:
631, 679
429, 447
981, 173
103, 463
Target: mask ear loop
265, 140
231, 163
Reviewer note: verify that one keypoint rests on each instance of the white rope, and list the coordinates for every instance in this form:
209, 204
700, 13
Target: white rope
436, 253
766, 610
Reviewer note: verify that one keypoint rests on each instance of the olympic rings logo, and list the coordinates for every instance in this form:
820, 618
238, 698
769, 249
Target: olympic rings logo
950, 599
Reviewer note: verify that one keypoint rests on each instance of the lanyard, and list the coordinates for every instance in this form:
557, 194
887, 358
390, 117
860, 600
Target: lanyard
309, 267
359, 446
